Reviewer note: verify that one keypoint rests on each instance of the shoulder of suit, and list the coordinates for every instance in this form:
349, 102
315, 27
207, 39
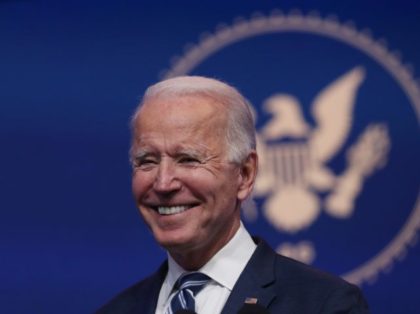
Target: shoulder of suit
288, 269
301, 279
146, 289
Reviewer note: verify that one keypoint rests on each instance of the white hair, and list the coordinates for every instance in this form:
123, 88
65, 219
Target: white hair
240, 133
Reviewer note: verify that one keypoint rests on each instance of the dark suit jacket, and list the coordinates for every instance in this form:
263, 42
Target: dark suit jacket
280, 284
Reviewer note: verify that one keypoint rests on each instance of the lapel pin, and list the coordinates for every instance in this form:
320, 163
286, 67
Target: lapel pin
251, 300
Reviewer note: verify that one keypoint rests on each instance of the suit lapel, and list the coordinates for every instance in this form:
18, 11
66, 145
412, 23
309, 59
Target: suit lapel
256, 281
146, 300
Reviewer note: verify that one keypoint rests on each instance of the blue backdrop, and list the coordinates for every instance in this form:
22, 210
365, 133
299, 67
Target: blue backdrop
71, 74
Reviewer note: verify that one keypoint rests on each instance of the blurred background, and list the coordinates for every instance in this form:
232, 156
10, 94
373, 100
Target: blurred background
71, 74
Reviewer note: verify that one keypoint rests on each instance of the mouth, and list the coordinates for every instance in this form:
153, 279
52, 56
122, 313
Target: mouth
172, 210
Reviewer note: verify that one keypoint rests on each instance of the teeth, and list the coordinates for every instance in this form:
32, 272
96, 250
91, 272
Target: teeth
164, 210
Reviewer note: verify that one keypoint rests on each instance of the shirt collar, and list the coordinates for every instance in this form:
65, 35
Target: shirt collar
225, 267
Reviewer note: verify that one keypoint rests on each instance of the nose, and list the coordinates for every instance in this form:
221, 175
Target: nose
166, 181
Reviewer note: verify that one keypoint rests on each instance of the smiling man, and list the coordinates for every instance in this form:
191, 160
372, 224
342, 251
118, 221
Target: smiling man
194, 163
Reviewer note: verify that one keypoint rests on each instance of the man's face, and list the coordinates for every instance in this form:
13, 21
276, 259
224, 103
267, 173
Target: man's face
184, 187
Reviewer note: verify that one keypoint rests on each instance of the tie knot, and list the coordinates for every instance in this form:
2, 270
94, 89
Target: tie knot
192, 281
187, 286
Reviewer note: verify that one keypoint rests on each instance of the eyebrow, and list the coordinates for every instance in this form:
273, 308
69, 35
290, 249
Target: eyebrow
142, 152
190, 152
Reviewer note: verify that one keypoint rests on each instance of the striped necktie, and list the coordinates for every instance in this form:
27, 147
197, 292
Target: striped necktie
187, 287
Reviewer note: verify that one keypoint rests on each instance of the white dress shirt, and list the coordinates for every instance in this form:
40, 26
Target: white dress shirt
224, 269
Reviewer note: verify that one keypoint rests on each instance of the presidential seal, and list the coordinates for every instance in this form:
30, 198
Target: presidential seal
337, 118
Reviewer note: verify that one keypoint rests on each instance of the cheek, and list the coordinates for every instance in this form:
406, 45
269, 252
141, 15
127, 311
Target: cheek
200, 183
139, 184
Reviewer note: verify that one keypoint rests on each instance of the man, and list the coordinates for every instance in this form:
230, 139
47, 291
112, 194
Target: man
194, 162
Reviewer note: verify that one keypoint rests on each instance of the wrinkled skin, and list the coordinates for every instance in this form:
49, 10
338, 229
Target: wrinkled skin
181, 165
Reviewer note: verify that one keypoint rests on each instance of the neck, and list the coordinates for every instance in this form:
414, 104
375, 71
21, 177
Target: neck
195, 258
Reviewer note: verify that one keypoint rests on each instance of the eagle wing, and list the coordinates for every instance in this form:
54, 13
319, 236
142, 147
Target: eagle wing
332, 110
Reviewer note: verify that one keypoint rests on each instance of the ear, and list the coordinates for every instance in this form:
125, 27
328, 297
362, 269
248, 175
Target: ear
247, 175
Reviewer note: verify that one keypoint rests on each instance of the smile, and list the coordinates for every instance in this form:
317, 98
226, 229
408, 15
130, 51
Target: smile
171, 210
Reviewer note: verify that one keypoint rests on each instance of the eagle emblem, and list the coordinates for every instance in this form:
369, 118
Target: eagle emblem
294, 176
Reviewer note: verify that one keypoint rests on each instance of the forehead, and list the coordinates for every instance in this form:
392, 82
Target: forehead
180, 119
179, 112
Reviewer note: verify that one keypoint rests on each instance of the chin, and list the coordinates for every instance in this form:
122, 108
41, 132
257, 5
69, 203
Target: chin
175, 242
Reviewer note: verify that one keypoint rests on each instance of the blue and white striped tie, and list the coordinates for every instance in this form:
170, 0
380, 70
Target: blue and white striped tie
188, 286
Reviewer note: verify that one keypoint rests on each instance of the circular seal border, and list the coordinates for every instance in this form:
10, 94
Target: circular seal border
345, 32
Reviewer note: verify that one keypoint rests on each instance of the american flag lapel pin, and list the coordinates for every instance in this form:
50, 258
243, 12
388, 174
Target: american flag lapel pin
251, 300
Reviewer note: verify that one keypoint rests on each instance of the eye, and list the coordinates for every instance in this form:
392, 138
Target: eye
145, 162
188, 160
